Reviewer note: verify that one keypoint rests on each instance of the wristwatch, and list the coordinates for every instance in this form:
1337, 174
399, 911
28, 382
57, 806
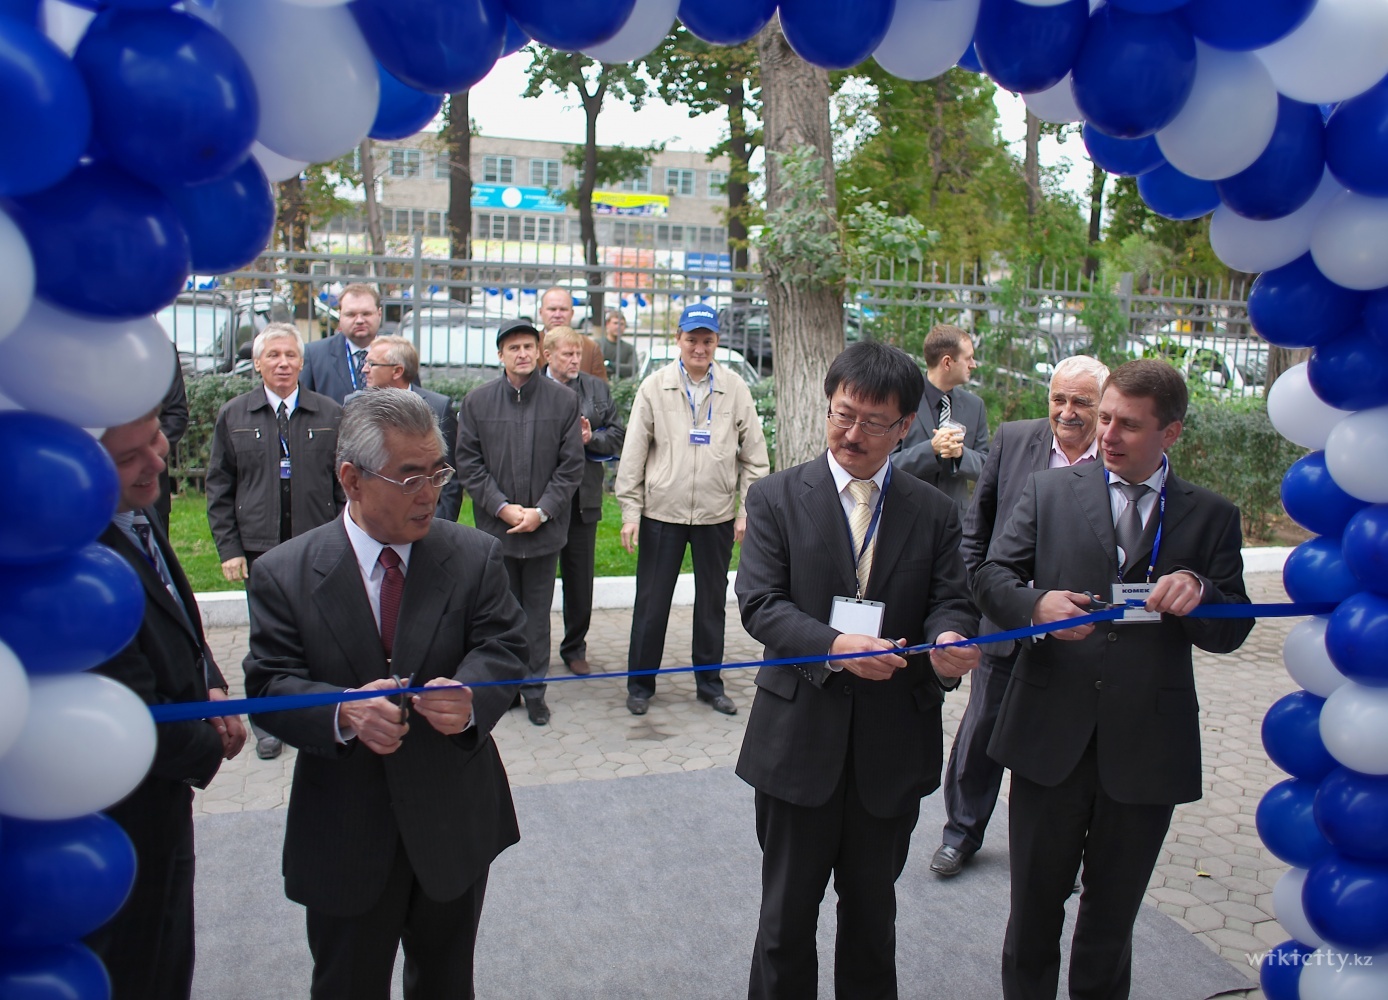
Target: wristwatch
543, 516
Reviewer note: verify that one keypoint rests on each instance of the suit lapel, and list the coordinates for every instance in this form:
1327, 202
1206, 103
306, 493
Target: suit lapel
900, 510
1090, 490
820, 502
340, 597
421, 607
1039, 449
154, 588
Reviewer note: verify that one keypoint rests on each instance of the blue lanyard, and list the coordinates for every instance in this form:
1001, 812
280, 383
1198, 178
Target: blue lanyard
872, 524
1161, 518
689, 395
351, 362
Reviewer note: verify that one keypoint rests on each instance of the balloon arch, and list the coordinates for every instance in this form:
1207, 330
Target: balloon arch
140, 145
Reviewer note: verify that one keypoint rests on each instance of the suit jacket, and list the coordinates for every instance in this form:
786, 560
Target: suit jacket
326, 370
445, 797
591, 360
1134, 684
609, 432
451, 497
916, 456
795, 559
243, 484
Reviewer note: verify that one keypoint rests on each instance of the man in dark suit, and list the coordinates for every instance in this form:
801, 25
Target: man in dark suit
336, 365
948, 442
398, 808
840, 754
148, 946
1100, 724
1020, 447
393, 362
173, 421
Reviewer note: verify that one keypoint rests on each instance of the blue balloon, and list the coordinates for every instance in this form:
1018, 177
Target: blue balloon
969, 60
1287, 824
515, 38
229, 221
1346, 902
1134, 71
1357, 638
172, 100
1365, 544
726, 22
1350, 372
1287, 172
836, 34
1025, 48
46, 118
1279, 973
1316, 572
1314, 500
71, 614
1124, 157
62, 879
1297, 306
63, 972
26, 11
1375, 314
1352, 812
1240, 26
65, 466
104, 243
567, 25
1175, 195
1356, 142
403, 111
435, 47
1149, 6
1292, 737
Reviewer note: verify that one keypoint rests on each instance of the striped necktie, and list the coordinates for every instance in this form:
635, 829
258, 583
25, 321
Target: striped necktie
862, 490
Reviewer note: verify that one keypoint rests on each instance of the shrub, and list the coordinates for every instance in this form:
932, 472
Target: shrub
206, 394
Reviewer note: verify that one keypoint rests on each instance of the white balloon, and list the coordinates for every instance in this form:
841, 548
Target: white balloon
1056, 105
927, 37
316, 77
65, 23
648, 23
1350, 241
87, 743
1228, 119
16, 275
1328, 974
1306, 659
277, 168
1286, 904
1338, 52
1253, 246
1298, 413
14, 698
1356, 455
1354, 727
86, 371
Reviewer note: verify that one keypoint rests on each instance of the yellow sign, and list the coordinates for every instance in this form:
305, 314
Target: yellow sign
628, 203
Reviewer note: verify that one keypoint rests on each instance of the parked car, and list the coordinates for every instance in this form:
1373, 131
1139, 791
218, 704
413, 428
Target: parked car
746, 328
659, 354
453, 335
212, 329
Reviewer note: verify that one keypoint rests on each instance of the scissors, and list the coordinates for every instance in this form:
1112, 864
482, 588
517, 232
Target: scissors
402, 700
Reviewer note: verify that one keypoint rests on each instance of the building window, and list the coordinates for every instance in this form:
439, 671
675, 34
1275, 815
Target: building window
437, 224
717, 183
498, 170
441, 165
545, 174
405, 162
639, 182
679, 181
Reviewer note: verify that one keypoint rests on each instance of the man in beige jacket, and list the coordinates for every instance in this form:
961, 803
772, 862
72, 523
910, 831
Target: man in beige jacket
694, 446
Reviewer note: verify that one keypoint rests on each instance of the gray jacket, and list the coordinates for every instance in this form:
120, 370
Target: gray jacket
950, 476
521, 446
595, 403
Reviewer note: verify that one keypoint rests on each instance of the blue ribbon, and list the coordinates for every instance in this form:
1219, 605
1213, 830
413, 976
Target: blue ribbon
189, 711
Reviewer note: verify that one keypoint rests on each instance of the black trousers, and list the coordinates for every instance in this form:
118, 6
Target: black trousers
1052, 830
532, 583
576, 570
353, 957
972, 778
658, 562
800, 848
251, 557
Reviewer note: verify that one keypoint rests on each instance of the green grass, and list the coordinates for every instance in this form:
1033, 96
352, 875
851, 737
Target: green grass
192, 540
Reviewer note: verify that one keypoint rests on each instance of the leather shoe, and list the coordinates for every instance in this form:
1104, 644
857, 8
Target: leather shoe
719, 703
538, 711
949, 860
580, 668
268, 748
637, 705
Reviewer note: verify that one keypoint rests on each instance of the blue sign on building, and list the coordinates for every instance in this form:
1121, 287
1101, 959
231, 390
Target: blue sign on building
509, 196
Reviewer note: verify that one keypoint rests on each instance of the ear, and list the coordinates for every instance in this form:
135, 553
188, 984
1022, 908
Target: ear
1170, 433
904, 427
351, 479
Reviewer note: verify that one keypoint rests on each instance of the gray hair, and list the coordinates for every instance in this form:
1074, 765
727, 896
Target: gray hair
399, 351
1081, 364
275, 331
361, 437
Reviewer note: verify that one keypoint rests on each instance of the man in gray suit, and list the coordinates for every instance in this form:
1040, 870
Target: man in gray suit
399, 806
1019, 448
947, 444
335, 367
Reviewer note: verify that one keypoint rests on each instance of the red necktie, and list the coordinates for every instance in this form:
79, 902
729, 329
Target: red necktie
392, 587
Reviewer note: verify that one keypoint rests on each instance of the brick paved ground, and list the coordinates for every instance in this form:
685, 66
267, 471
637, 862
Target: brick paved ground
1213, 876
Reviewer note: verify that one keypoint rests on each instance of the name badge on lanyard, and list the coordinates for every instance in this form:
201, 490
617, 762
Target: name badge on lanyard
1125, 592
285, 468
698, 435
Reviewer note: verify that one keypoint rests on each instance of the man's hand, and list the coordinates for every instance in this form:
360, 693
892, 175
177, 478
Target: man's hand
1177, 593
448, 709
530, 520
739, 529
512, 514
631, 532
955, 662
878, 667
235, 569
1058, 605
376, 720
229, 727
947, 442
587, 429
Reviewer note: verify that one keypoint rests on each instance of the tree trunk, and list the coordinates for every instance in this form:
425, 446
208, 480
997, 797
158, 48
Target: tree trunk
1031, 166
1280, 359
738, 174
806, 322
587, 228
1096, 214
293, 226
458, 139
374, 230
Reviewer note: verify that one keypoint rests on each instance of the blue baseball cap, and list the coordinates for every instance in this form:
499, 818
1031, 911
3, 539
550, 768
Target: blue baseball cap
698, 317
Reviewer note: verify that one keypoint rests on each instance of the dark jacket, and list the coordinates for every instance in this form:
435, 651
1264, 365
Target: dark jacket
243, 484
595, 403
521, 446
916, 455
326, 368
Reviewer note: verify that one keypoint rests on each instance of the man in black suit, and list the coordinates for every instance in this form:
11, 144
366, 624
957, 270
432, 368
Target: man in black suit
393, 362
336, 365
148, 946
398, 807
173, 421
1020, 447
1100, 724
840, 754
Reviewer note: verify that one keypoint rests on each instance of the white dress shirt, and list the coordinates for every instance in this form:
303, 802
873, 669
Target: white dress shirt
290, 402
842, 478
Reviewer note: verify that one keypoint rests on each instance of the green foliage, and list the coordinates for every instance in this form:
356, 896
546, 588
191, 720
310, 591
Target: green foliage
454, 388
1012, 400
764, 395
206, 394
624, 395
800, 241
614, 165
1106, 320
1183, 247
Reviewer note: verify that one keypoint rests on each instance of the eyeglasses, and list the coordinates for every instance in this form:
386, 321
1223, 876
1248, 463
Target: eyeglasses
845, 423
414, 484
381, 364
